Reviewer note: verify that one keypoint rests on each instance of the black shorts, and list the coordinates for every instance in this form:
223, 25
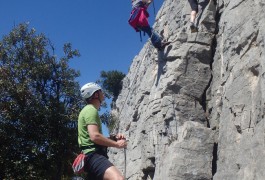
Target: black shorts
194, 5
96, 165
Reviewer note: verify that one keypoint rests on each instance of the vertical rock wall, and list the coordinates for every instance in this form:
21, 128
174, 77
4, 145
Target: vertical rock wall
196, 110
236, 96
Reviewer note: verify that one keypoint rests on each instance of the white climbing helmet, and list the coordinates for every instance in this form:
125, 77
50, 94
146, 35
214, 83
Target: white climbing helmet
88, 89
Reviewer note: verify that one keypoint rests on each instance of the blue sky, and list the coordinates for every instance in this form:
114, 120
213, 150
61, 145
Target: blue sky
98, 29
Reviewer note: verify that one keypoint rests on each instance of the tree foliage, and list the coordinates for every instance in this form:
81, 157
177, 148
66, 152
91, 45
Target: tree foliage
111, 82
39, 104
109, 120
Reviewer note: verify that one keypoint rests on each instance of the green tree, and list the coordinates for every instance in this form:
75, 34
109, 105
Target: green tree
39, 104
111, 82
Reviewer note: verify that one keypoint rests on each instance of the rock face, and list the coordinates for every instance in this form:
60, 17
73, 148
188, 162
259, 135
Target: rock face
196, 110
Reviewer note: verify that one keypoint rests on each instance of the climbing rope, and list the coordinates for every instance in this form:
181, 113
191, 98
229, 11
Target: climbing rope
125, 159
147, 49
115, 126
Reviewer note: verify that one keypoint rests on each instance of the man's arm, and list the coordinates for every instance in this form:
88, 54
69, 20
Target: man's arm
99, 139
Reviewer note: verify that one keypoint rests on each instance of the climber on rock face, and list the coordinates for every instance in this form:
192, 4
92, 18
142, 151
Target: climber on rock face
90, 139
139, 21
194, 11
195, 6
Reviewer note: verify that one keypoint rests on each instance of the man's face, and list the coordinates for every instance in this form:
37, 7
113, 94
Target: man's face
101, 95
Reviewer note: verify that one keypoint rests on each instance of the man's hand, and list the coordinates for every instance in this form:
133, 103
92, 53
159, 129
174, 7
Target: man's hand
120, 140
120, 136
121, 143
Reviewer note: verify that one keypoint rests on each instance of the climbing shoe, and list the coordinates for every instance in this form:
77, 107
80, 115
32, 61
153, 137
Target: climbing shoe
163, 45
193, 28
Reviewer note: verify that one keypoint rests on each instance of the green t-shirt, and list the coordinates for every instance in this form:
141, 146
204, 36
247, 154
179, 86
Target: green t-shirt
88, 115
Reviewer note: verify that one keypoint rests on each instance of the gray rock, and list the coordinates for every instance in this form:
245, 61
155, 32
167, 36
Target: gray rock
196, 110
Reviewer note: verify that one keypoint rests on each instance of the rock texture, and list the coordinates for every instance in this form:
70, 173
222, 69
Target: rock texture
196, 110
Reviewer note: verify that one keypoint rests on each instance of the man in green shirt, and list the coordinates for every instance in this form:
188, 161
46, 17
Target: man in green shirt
91, 140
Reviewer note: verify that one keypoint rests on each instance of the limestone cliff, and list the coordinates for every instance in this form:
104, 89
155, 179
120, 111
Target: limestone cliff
196, 110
